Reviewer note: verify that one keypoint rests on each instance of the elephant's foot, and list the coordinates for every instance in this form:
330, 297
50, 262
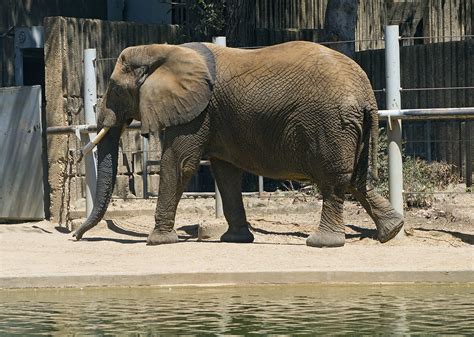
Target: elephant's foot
389, 227
158, 237
239, 235
326, 239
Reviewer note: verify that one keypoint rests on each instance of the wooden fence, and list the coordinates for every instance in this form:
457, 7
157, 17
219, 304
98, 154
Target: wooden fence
438, 65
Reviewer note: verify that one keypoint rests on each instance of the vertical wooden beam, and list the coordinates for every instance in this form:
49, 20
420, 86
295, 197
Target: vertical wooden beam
468, 142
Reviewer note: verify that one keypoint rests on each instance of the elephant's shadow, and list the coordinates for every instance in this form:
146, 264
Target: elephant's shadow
361, 233
191, 232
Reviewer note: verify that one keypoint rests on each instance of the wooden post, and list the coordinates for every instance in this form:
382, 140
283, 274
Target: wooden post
468, 142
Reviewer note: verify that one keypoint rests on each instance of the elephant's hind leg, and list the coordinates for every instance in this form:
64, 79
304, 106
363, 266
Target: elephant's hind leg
229, 181
388, 221
330, 232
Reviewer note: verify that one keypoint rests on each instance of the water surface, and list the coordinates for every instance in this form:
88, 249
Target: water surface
354, 309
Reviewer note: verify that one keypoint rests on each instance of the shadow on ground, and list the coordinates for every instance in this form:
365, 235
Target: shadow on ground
265, 232
466, 238
362, 233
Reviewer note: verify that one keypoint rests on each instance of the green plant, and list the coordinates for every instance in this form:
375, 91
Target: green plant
420, 178
206, 19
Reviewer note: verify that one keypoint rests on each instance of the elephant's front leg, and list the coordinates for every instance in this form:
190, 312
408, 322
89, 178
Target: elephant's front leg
229, 181
179, 162
330, 232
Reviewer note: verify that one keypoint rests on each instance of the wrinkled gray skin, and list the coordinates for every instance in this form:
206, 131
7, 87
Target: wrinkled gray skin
295, 111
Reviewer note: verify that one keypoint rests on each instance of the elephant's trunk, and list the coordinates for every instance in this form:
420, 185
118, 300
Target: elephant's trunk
106, 173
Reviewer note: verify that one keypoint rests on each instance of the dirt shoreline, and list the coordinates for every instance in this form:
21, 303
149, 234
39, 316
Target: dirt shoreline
437, 247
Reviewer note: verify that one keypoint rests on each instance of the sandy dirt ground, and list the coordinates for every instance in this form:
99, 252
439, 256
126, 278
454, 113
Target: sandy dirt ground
289, 217
439, 239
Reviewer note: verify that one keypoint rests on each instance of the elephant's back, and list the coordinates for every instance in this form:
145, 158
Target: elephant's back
271, 104
288, 66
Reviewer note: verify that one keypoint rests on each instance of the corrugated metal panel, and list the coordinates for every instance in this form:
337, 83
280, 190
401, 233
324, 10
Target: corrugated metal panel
21, 172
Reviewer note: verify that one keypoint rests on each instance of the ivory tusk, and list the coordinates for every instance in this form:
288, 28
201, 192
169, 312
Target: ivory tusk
88, 148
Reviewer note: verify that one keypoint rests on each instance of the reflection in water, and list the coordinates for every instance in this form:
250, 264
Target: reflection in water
382, 310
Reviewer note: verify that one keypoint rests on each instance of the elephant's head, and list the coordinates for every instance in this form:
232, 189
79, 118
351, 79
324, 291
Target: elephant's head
159, 85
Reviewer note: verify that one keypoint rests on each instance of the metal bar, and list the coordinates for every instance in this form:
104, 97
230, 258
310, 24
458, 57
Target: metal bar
108, 59
84, 128
200, 194
394, 132
145, 167
434, 89
212, 194
90, 100
59, 130
260, 186
349, 41
220, 41
435, 37
219, 206
428, 114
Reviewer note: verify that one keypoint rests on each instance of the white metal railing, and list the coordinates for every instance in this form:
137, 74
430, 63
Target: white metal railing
394, 115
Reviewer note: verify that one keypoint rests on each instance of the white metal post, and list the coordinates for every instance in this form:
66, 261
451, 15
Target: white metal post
221, 41
394, 132
90, 101
145, 167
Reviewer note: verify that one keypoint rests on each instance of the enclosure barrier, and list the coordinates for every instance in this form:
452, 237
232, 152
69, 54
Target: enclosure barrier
401, 114
394, 115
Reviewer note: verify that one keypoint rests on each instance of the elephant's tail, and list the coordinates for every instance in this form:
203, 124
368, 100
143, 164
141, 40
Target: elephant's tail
374, 141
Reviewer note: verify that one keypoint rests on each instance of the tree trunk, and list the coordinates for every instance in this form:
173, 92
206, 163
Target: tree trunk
240, 28
340, 25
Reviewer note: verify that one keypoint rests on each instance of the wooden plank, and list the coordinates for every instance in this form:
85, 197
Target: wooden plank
468, 151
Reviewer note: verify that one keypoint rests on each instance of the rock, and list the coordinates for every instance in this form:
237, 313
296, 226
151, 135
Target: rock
212, 229
80, 203
76, 223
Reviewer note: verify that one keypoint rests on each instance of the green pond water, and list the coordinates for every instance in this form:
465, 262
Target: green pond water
323, 310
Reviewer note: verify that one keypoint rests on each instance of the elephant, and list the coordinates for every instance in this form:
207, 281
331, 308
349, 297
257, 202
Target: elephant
296, 111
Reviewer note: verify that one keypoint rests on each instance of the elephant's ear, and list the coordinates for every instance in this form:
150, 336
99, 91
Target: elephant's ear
177, 88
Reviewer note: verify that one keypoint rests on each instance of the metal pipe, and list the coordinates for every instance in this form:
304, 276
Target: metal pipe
145, 167
83, 128
212, 194
394, 132
90, 101
219, 206
428, 114
260, 186
220, 41
405, 114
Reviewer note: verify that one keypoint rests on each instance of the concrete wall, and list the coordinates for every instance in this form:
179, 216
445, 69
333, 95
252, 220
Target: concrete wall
65, 40
31, 13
